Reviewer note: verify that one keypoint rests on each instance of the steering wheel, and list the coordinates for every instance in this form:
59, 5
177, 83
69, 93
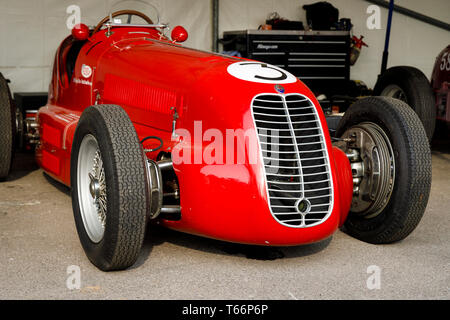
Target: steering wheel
120, 13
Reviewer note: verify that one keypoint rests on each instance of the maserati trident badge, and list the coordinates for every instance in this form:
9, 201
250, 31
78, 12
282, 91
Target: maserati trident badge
279, 88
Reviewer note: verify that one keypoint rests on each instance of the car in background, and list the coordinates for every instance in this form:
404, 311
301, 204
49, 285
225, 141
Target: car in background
431, 101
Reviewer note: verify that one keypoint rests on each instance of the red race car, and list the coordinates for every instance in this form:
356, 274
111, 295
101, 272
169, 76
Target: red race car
145, 130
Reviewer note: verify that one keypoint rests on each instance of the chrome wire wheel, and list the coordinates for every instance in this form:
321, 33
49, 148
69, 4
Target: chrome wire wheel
109, 187
373, 169
92, 188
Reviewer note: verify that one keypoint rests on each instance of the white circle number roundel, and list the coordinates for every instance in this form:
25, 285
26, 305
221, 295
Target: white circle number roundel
260, 72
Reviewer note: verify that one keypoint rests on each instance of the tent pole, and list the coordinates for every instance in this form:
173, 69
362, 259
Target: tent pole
388, 36
215, 25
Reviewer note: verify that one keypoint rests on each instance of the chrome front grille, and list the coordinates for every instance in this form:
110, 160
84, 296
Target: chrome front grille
296, 163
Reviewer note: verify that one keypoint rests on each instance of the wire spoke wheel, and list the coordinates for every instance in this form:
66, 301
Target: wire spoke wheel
109, 187
92, 188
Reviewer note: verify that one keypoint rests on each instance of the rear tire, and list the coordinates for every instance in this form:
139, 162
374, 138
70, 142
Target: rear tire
411, 86
410, 159
7, 129
109, 189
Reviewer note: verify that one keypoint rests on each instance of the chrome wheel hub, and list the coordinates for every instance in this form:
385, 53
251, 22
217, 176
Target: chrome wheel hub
373, 168
92, 188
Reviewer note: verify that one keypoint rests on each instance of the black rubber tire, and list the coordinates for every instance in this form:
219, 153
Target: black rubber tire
125, 175
418, 92
412, 182
7, 129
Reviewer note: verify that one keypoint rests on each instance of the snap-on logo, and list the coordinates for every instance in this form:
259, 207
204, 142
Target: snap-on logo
267, 47
86, 71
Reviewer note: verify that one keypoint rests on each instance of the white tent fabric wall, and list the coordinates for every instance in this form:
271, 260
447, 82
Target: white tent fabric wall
30, 31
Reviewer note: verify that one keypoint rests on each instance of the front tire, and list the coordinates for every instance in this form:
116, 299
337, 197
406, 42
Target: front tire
108, 179
392, 201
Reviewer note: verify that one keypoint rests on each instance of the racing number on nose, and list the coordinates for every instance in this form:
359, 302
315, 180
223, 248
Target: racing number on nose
282, 77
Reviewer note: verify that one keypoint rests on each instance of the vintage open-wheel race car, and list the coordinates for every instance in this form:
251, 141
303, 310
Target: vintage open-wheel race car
145, 130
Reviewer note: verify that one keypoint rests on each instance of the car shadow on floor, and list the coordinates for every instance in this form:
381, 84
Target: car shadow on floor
23, 164
58, 185
441, 139
440, 145
157, 235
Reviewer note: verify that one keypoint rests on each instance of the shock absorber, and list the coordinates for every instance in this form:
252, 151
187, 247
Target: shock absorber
163, 188
160, 203
354, 156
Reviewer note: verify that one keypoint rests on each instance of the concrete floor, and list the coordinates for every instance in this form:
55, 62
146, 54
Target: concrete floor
38, 242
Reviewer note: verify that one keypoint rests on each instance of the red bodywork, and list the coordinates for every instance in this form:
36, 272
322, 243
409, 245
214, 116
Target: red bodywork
440, 82
148, 75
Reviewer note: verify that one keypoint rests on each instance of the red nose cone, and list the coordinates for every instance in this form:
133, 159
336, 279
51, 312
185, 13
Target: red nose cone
80, 31
179, 34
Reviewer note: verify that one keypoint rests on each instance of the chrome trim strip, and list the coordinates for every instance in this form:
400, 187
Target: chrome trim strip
316, 66
314, 59
268, 54
290, 32
317, 54
323, 78
298, 41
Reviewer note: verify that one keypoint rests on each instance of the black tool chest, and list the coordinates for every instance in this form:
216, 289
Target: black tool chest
321, 59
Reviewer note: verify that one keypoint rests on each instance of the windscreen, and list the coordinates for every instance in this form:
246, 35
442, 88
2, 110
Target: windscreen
144, 7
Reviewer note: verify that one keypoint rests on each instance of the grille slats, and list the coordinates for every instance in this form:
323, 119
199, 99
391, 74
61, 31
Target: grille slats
295, 159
